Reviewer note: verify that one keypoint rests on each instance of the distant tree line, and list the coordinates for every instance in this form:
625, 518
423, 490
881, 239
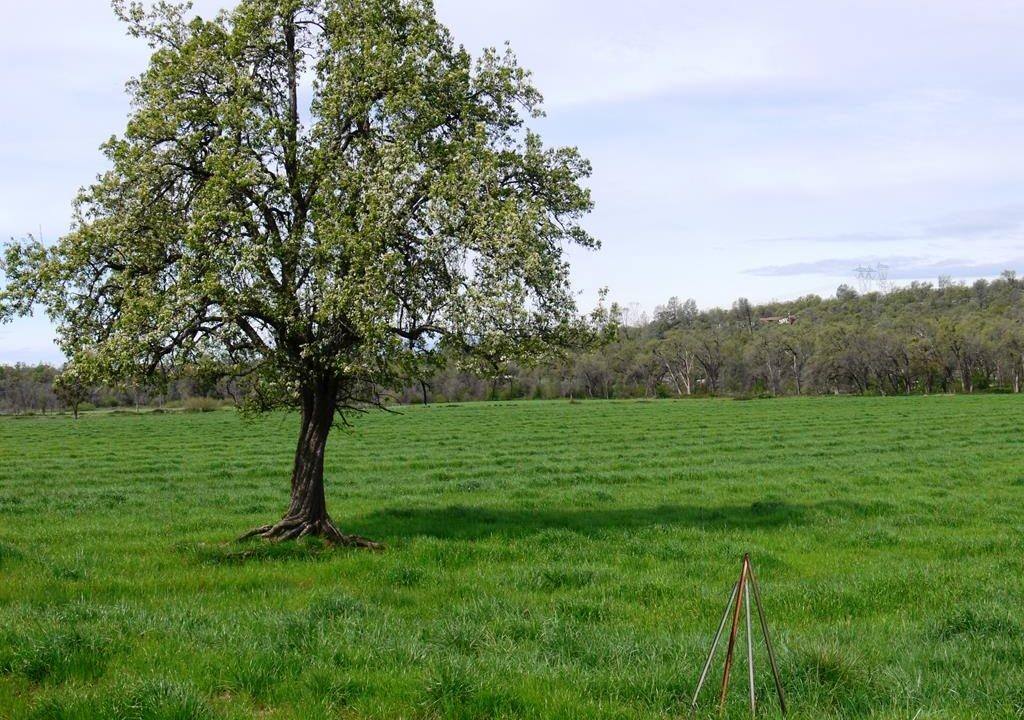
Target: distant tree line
921, 338
43, 389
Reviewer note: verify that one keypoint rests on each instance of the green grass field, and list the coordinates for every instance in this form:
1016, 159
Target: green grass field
545, 560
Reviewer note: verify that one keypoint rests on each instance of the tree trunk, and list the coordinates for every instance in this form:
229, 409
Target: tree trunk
672, 377
307, 511
967, 381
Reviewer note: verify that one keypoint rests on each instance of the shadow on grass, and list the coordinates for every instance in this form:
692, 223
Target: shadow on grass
473, 522
461, 522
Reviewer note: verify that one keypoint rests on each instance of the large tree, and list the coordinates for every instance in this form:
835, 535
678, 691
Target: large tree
320, 196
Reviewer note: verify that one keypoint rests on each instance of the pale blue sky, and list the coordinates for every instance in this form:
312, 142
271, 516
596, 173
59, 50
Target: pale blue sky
762, 149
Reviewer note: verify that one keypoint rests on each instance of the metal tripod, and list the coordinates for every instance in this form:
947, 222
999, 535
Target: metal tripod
741, 597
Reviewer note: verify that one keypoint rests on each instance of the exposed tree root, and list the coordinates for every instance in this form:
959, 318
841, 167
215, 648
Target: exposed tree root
294, 528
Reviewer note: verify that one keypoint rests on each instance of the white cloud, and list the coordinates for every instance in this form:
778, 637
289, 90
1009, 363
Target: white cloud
897, 268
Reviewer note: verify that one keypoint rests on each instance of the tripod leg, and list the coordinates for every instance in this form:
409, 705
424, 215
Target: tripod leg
768, 643
732, 633
750, 651
714, 646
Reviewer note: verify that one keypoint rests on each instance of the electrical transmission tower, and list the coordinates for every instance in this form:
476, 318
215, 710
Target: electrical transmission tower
873, 277
882, 277
865, 277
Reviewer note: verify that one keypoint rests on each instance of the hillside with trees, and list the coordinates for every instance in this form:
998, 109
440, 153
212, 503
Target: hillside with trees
950, 338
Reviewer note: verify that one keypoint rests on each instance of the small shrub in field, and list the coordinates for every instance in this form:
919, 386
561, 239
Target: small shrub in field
154, 699
255, 674
556, 578
200, 404
405, 576
58, 654
160, 700
975, 624
448, 686
8, 552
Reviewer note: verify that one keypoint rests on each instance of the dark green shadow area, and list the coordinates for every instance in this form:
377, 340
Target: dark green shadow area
466, 522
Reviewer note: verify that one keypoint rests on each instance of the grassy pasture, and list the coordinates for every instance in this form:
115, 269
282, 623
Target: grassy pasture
546, 560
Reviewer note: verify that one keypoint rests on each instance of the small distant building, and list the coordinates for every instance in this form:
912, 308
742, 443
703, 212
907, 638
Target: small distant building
779, 320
